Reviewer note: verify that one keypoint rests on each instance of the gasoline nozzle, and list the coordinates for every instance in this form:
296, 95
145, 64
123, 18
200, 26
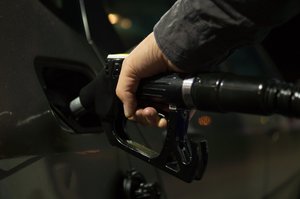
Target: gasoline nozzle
175, 94
216, 92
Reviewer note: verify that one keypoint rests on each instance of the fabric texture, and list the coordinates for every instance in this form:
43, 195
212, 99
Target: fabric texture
196, 35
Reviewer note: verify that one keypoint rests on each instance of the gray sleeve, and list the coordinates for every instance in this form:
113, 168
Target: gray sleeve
198, 34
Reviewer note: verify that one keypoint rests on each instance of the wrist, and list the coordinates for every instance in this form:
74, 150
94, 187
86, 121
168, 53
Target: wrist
162, 57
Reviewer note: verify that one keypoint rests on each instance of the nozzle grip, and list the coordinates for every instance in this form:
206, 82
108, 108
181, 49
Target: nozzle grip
223, 92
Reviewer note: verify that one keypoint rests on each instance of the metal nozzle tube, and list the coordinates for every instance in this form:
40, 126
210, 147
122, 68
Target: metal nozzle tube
76, 106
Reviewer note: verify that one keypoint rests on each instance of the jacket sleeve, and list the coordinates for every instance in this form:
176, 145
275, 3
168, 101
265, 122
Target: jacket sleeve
198, 34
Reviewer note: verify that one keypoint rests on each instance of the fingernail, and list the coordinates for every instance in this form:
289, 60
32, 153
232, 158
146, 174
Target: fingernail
162, 123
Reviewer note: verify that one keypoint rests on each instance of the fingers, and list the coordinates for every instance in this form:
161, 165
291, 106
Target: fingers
126, 88
149, 116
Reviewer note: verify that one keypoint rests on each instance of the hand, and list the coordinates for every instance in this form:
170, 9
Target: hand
144, 61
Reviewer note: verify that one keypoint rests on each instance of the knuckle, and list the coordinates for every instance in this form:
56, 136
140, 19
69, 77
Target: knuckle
119, 92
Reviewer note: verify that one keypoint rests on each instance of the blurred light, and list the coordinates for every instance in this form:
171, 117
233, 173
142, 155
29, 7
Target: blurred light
264, 120
204, 120
125, 23
89, 152
113, 18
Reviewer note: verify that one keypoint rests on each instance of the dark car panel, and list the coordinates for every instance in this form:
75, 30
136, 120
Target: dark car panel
37, 50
